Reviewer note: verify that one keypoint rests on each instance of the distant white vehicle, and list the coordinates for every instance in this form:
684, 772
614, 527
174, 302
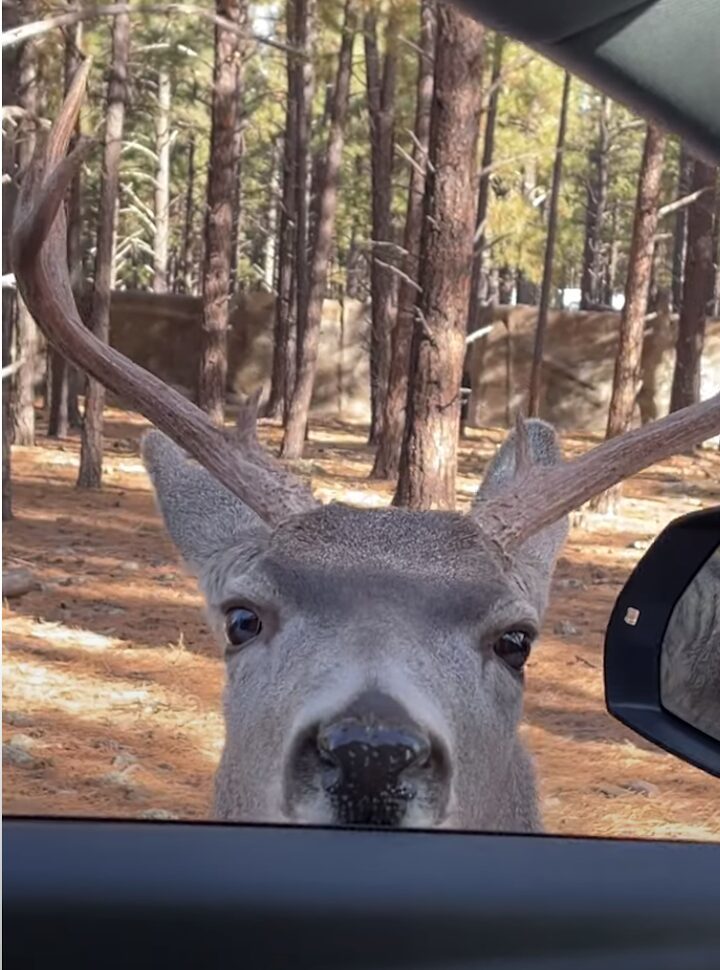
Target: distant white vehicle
570, 299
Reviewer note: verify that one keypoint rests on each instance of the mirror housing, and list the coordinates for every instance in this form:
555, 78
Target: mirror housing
634, 666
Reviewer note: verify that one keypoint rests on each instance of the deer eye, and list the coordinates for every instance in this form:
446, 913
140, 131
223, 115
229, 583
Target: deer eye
513, 648
241, 626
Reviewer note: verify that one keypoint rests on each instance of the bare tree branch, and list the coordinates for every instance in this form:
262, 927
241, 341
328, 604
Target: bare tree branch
398, 272
666, 210
19, 34
11, 369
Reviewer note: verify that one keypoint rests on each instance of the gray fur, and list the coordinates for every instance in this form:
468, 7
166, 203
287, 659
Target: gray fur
690, 657
200, 514
354, 600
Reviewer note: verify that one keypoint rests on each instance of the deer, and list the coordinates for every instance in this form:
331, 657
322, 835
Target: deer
374, 658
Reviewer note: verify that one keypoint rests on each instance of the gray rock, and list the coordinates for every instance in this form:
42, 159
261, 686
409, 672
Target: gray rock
611, 791
158, 815
640, 787
15, 752
565, 629
17, 718
119, 779
124, 760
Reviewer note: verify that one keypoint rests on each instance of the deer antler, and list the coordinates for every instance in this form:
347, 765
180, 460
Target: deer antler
40, 265
543, 494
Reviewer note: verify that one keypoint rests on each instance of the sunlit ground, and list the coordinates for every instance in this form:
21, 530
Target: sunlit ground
111, 686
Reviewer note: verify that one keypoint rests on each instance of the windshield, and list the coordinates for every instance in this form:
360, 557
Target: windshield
405, 229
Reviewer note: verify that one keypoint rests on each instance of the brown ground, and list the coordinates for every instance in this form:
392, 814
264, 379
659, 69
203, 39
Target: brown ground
111, 685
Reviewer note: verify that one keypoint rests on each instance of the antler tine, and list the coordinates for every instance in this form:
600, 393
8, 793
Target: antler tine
545, 494
40, 265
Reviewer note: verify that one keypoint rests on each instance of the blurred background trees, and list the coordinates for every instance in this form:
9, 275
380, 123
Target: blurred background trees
284, 148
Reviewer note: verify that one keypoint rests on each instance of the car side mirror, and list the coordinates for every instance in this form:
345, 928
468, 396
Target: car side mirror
662, 645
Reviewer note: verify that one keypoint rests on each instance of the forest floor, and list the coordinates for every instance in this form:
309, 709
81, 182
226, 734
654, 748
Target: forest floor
111, 686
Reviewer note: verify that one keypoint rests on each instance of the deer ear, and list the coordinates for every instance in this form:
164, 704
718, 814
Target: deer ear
541, 447
200, 514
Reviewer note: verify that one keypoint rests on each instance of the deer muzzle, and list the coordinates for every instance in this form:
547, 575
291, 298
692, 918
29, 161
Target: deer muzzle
374, 761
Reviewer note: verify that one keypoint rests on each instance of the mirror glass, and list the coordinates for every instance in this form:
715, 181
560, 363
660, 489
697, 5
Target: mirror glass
690, 656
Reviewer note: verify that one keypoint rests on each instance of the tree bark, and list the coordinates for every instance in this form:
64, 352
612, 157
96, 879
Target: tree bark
270, 244
610, 273
680, 229
429, 455
591, 283
283, 365
10, 66
238, 236
546, 290
632, 322
162, 184
304, 88
381, 107
91, 445
219, 216
656, 345
387, 457
188, 247
64, 379
309, 329
628, 362
697, 290
27, 339
715, 309
477, 286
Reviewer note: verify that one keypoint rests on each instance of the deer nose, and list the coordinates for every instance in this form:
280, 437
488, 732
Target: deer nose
375, 754
366, 756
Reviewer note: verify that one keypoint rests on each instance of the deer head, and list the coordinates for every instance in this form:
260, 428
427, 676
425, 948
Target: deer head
374, 658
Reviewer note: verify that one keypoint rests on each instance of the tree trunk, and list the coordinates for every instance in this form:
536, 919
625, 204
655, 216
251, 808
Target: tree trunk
162, 184
387, 458
219, 216
27, 339
283, 358
8, 312
698, 289
680, 229
429, 455
270, 248
628, 362
309, 329
64, 409
477, 284
316, 167
610, 273
91, 447
715, 309
545, 292
238, 238
10, 68
591, 283
381, 106
188, 246
304, 88
632, 323
656, 345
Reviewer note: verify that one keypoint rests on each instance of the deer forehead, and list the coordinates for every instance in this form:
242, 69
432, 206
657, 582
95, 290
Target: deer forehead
351, 563
441, 546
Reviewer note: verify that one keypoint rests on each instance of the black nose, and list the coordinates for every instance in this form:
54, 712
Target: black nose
375, 754
367, 754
